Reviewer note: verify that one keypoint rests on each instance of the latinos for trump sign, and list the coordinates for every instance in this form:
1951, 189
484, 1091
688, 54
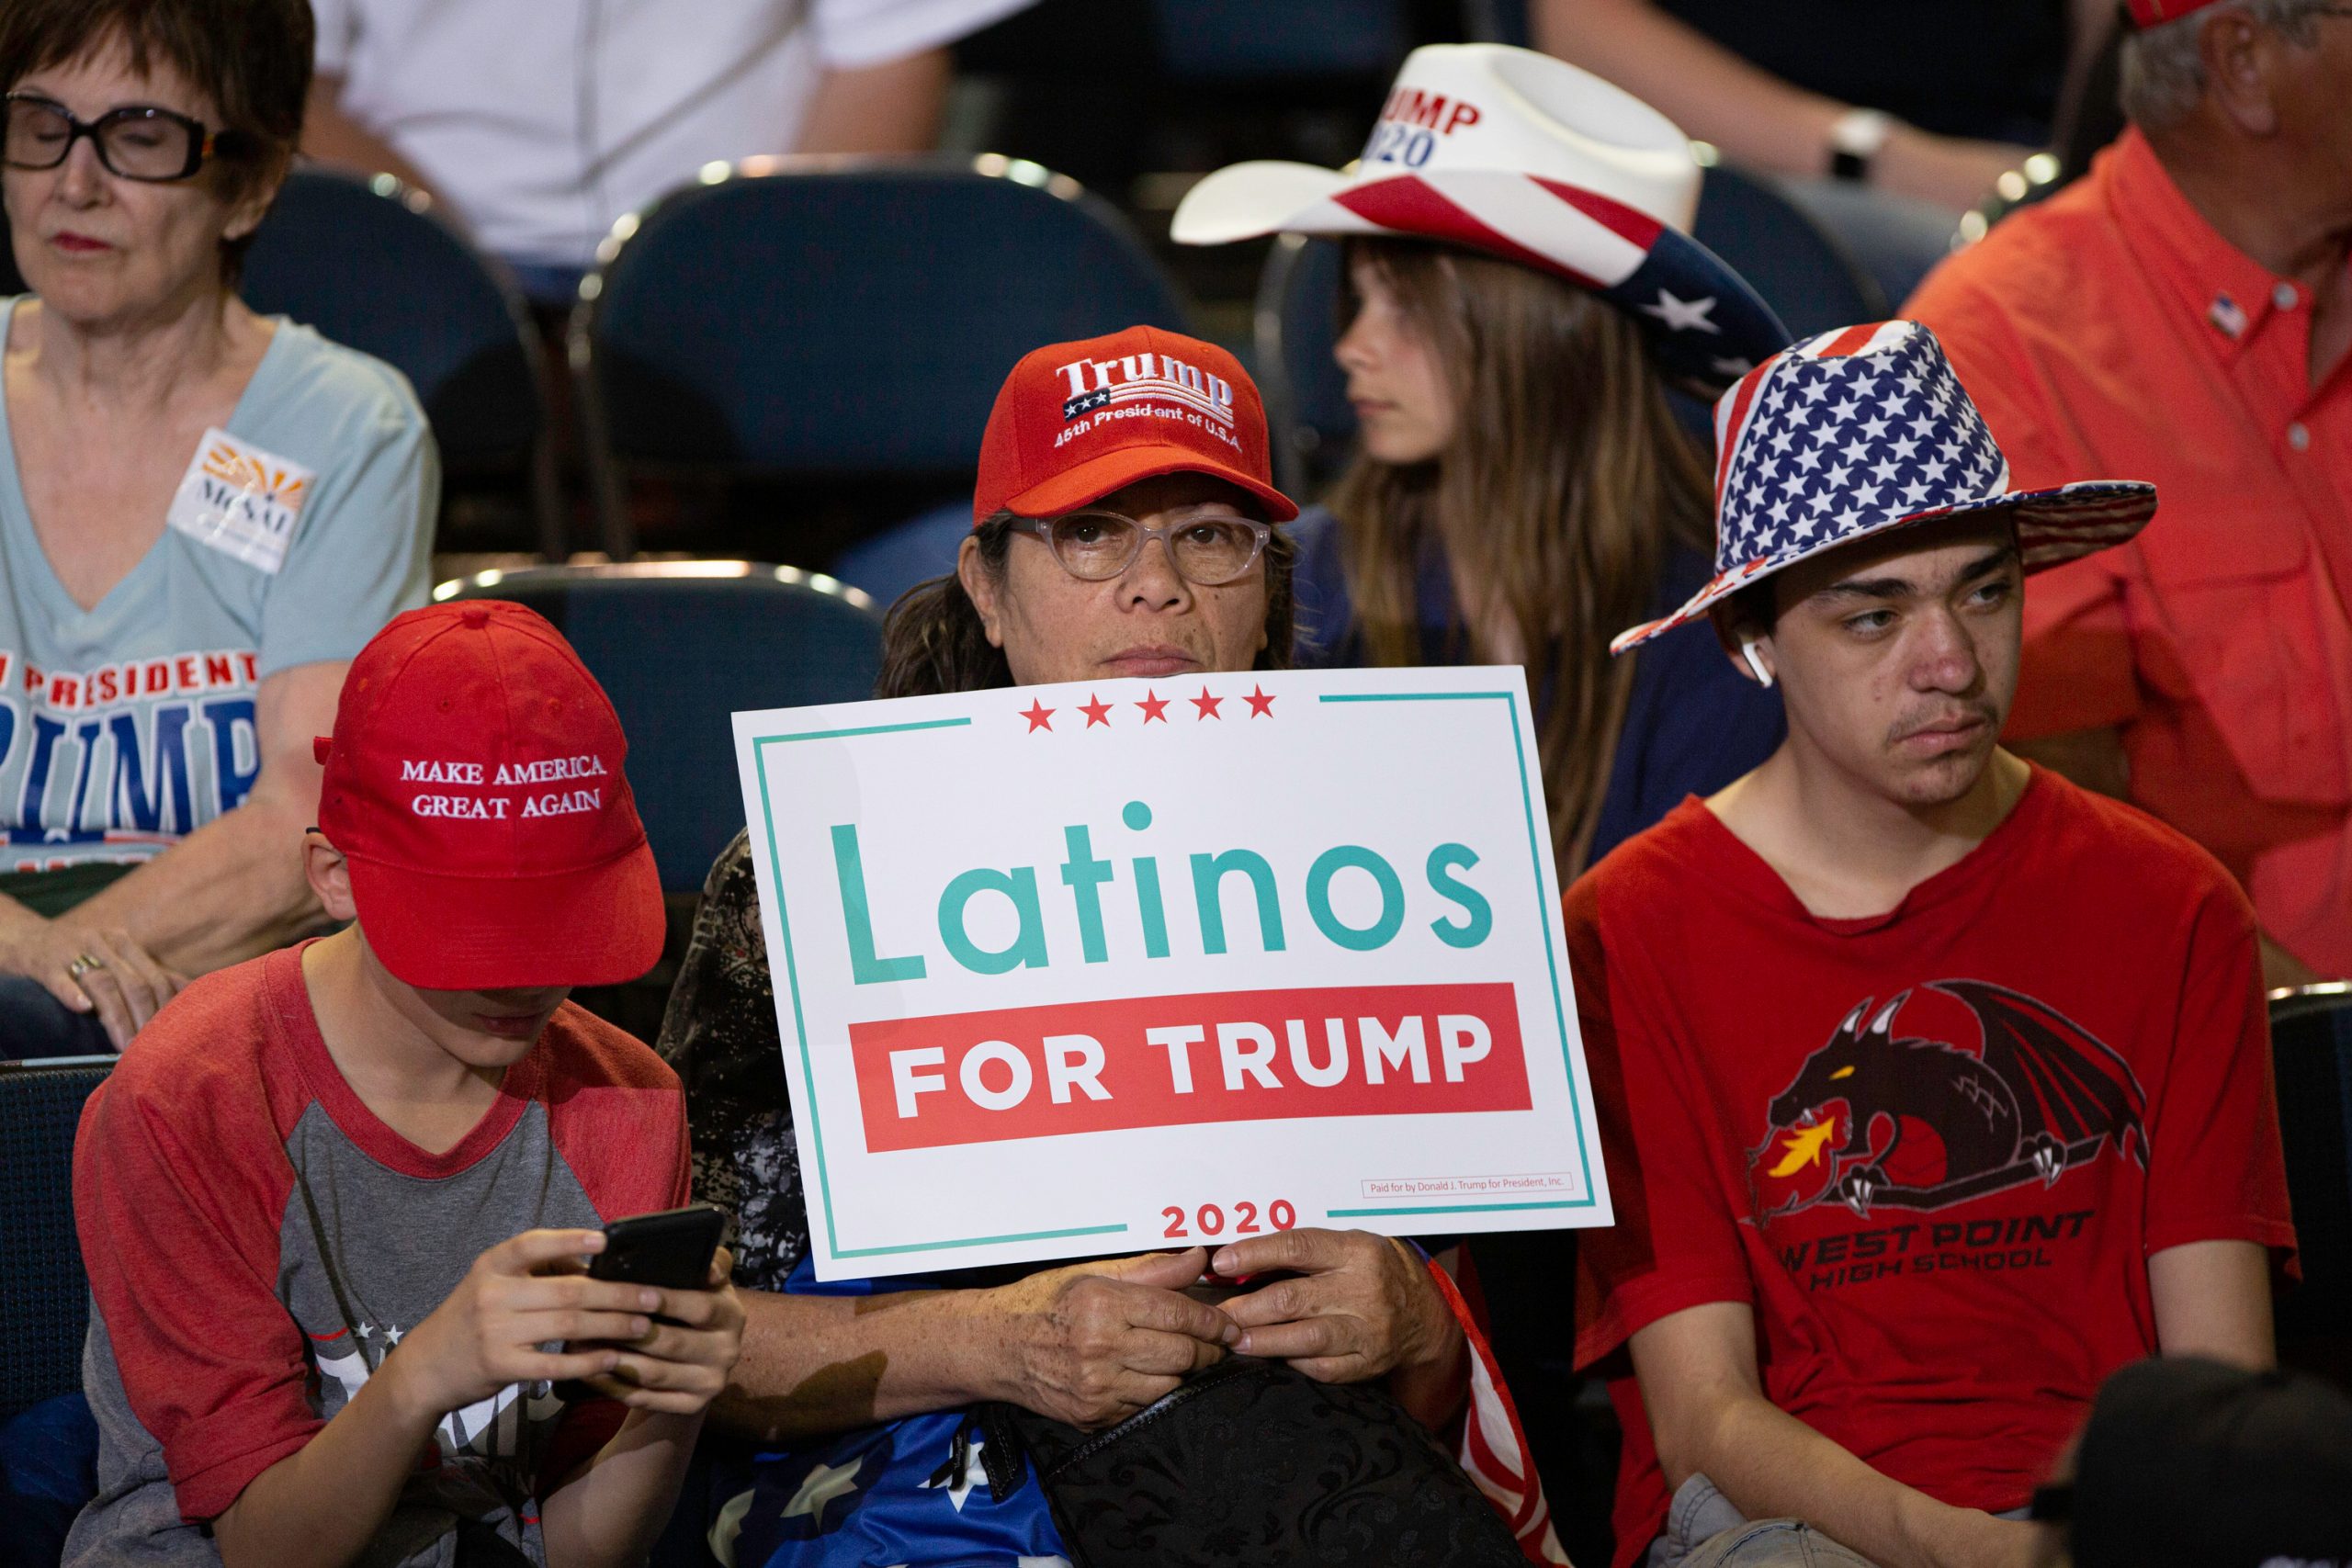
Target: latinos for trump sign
1071, 970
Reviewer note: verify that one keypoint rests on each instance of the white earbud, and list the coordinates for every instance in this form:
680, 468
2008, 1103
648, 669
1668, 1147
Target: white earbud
1755, 662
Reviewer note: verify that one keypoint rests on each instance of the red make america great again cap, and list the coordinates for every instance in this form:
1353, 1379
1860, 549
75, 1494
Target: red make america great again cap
474, 784
1076, 421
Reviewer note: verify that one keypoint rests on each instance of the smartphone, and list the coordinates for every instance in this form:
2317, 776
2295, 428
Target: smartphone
671, 1250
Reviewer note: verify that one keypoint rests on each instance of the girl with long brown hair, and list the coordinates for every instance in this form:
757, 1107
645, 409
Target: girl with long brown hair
1522, 486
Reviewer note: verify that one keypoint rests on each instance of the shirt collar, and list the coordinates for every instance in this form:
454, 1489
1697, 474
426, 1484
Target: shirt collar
2231, 297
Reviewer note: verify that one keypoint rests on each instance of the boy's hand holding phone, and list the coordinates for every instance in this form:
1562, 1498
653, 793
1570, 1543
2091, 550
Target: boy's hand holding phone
524, 1294
681, 1361
678, 1364
641, 1312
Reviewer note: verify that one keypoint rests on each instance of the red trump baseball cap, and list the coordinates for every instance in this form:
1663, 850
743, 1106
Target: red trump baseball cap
474, 784
1076, 421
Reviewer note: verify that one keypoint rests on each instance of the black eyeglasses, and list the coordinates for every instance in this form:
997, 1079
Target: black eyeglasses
136, 141
1208, 549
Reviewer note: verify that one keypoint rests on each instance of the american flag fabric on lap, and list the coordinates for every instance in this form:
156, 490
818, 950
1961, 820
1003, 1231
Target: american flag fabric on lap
1493, 1451
1865, 429
928, 1492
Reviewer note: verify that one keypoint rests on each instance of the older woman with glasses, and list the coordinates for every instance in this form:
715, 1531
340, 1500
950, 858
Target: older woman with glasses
204, 513
1145, 547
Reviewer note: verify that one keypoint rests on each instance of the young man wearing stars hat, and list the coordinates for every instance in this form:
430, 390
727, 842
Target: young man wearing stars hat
1934, 1088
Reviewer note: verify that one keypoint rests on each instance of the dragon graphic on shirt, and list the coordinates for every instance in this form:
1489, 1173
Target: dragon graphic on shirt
2040, 1094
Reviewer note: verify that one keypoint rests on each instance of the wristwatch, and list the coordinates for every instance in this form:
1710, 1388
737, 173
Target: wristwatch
1855, 138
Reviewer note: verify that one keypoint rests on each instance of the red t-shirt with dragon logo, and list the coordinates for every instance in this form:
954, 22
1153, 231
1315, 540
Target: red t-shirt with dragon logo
1933, 1149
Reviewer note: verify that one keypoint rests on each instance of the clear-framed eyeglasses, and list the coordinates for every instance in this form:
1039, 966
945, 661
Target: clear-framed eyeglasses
1208, 546
137, 142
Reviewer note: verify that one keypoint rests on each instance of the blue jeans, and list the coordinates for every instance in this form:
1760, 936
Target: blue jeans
34, 1023
1703, 1530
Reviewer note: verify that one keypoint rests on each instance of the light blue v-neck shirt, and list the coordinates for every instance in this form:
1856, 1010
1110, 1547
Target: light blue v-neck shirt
127, 725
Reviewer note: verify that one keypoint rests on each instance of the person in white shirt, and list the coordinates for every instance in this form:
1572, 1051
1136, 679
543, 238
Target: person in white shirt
542, 124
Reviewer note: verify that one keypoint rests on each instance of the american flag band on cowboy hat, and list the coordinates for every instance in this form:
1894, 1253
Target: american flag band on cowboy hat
1863, 430
1523, 156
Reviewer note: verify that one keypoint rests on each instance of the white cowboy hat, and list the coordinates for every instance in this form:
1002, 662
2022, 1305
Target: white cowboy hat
1518, 154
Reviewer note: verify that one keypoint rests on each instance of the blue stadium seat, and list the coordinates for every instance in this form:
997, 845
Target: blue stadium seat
1294, 328
840, 317
886, 564
1803, 274
1497, 21
1800, 271
681, 645
2311, 1042
372, 265
41, 1281
1243, 41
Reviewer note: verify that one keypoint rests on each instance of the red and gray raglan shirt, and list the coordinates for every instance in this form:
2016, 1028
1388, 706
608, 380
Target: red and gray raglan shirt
258, 1241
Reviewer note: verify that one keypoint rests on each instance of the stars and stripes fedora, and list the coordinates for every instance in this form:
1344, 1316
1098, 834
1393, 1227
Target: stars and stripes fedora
1527, 157
1863, 430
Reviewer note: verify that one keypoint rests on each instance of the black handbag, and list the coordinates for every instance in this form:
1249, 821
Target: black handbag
1253, 1462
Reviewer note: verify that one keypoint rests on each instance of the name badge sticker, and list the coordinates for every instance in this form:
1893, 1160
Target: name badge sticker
241, 500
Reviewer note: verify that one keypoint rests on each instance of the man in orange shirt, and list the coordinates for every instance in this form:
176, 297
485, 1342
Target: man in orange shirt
2182, 314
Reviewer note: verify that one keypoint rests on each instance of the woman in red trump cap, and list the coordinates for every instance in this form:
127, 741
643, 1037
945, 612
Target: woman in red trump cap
1053, 582
1123, 525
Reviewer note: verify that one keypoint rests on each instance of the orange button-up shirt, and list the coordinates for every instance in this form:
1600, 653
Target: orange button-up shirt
2110, 333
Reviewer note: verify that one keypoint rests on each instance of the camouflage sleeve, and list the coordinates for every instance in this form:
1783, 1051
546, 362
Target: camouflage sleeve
720, 1033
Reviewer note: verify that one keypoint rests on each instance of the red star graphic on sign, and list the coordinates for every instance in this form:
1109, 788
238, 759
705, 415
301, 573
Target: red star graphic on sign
1039, 715
1207, 705
1260, 704
1154, 706
1096, 712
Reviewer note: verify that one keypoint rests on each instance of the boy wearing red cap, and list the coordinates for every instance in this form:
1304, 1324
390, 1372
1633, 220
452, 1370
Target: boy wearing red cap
334, 1201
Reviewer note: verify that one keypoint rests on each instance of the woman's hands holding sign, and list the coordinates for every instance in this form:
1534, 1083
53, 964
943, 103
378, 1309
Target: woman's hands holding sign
1093, 1343
1354, 1306
1096, 1342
